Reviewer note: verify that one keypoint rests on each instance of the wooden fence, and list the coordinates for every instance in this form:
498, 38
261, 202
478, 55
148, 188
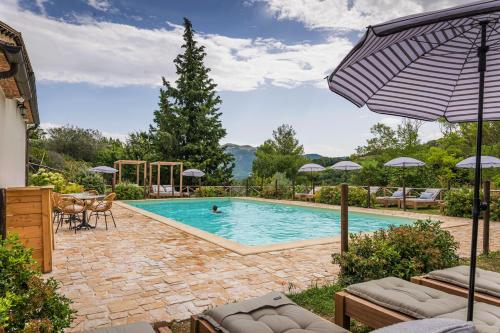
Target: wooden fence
28, 213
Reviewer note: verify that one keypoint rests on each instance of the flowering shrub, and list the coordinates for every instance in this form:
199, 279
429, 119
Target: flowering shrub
28, 303
403, 251
44, 178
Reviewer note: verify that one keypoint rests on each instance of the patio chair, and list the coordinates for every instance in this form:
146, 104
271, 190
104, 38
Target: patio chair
428, 198
103, 207
391, 300
70, 208
56, 211
273, 313
394, 198
455, 280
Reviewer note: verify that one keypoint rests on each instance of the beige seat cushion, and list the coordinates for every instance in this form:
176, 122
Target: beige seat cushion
487, 282
272, 313
130, 328
414, 300
486, 317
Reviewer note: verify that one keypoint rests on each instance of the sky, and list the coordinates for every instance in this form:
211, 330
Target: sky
99, 63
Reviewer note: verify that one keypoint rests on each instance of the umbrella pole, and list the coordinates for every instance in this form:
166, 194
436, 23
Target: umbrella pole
404, 189
482, 50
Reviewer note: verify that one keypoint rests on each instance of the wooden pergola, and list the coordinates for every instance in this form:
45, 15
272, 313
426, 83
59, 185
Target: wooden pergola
158, 166
138, 164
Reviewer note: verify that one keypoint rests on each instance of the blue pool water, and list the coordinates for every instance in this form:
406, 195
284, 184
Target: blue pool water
257, 223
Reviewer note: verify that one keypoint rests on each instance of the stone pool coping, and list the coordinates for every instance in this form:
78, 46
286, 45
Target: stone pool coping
448, 222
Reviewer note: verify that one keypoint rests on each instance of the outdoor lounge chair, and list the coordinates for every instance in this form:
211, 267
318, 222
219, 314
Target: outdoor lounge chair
387, 301
394, 198
309, 195
165, 191
273, 313
427, 198
455, 280
140, 327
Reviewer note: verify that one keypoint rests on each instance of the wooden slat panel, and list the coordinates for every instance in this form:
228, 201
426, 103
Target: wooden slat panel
27, 232
47, 230
24, 220
23, 208
26, 198
35, 243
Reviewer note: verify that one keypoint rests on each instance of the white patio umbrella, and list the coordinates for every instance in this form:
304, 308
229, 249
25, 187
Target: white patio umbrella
403, 163
487, 162
193, 173
428, 66
103, 169
345, 166
311, 167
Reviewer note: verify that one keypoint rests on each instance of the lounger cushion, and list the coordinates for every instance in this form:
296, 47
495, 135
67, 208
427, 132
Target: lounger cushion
272, 313
487, 282
130, 328
426, 195
486, 317
397, 194
434, 325
414, 300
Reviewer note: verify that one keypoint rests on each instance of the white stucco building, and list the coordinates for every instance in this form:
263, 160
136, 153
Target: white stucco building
18, 106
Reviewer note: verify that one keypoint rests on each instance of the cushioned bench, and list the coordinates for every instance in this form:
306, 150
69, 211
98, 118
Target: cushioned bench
390, 300
272, 313
130, 328
455, 280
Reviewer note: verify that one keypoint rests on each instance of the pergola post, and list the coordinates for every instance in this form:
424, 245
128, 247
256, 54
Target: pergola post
158, 180
172, 185
180, 182
119, 172
114, 178
137, 174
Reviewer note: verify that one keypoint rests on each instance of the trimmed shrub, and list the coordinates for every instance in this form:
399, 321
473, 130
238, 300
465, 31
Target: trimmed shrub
331, 195
128, 191
29, 303
402, 251
44, 178
458, 203
495, 209
211, 191
72, 188
91, 181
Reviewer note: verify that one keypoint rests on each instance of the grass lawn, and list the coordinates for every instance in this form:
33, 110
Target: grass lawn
319, 299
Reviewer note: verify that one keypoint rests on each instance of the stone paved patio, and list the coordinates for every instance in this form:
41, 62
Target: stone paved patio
145, 270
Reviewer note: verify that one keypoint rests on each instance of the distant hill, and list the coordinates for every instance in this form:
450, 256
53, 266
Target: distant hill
243, 156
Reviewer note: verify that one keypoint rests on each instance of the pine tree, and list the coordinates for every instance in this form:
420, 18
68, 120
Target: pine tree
187, 126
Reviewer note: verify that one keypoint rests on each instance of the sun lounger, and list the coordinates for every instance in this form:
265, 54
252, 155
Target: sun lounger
129, 328
272, 313
387, 301
426, 199
394, 198
455, 281
307, 196
165, 191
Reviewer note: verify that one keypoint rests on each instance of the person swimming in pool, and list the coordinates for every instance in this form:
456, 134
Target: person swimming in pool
215, 209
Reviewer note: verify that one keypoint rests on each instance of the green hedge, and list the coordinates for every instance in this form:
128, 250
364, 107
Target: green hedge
331, 195
402, 251
459, 203
211, 191
128, 191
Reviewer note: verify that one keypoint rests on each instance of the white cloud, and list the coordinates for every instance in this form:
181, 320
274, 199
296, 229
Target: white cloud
110, 54
102, 5
350, 14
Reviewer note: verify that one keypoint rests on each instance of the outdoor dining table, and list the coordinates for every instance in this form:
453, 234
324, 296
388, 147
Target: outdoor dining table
85, 196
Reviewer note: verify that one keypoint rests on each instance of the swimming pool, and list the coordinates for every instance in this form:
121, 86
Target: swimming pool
255, 223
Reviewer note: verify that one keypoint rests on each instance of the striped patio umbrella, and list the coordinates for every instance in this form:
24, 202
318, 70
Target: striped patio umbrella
403, 163
311, 167
426, 66
345, 166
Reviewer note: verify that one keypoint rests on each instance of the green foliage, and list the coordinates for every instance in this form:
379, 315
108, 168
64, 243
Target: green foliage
91, 181
458, 202
403, 251
72, 188
495, 209
187, 126
43, 178
28, 303
282, 153
211, 191
78, 143
331, 195
129, 191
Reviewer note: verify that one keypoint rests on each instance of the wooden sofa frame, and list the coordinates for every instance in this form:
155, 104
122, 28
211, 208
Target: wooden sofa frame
200, 325
349, 306
454, 290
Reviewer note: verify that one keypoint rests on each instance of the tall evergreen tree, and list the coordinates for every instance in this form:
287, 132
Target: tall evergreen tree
187, 126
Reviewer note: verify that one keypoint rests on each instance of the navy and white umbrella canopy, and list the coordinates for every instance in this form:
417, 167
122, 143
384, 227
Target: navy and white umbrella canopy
103, 169
346, 166
444, 63
193, 173
487, 162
